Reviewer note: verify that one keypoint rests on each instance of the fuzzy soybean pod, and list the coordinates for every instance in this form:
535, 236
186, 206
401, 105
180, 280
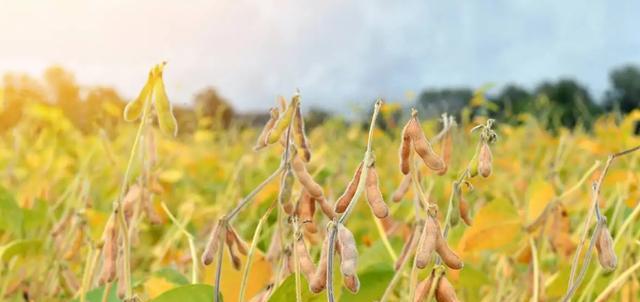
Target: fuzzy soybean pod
305, 209
424, 149
134, 109
606, 254
239, 243
285, 192
303, 176
326, 207
349, 192
348, 258
449, 257
408, 132
300, 136
262, 138
402, 189
374, 196
129, 201
423, 289
164, 111
110, 251
230, 241
283, 122
319, 281
428, 242
213, 244
484, 160
445, 291
446, 148
306, 264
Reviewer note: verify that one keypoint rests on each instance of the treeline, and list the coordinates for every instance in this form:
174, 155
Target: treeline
561, 103
92, 108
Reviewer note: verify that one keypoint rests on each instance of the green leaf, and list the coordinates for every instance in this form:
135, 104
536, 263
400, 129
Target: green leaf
19, 247
35, 217
191, 293
287, 291
10, 213
373, 282
95, 295
172, 276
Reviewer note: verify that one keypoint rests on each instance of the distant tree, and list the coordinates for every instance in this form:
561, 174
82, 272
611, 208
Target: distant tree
434, 102
625, 91
570, 102
65, 93
315, 117
18, 89
208, 103
513, 100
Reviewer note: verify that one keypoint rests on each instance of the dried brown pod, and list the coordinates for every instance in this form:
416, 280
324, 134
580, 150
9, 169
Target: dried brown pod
422, 290
235, 259
425, 151
262, 138
464, 210
122, 285
402, 189
446, 149
444, 291
235, 239
305, 209
129, 201
306, 264
349, 192
326, 207
110, 251
285, 192
299, 135
374, 196
408, 132
352, 283
428, 242
300, 171
213, 244
421, 145
484, 160
348, 258
319, 281
604, 245
449, 257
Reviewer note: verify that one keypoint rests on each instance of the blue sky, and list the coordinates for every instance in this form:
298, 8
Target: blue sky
336, 52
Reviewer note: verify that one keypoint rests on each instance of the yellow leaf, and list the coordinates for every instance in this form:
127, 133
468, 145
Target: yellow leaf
155, 286
496, 225
540, 193
259, 276
170, 176
96, 221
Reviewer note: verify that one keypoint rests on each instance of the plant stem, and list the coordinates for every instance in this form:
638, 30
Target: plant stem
536, 270
333, 229
617, 282
192, 249
252, 248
